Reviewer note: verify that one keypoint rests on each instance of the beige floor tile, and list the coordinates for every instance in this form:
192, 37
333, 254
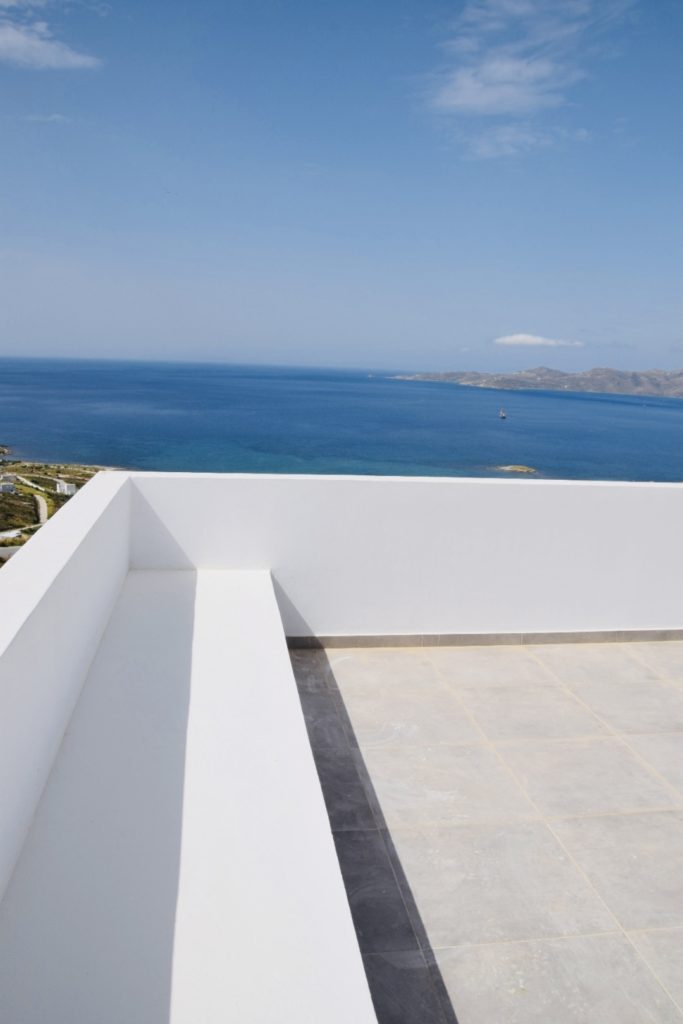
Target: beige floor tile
486, 884
488, 666
634, 862
445, 785
380, 668
592, 663
595, 776
665, 658
663, 951
587, 980
664, 751
634, 707
425, 715
512, 712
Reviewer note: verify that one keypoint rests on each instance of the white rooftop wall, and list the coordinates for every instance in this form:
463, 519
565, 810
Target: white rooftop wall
56, 595
369, 556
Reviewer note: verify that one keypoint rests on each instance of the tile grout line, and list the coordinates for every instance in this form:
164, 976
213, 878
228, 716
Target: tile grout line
567, 689
568, 937
494, 822
667, 681
661, 928
642, 760
511, 741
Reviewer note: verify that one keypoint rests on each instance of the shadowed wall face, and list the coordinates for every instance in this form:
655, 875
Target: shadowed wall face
87, 923
56, 597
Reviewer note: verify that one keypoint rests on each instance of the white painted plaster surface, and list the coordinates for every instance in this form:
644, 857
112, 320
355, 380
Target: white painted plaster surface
359, 555
263, 928
56, 595
180, 868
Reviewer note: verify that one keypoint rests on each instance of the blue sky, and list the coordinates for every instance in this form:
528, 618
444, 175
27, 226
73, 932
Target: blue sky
397, 183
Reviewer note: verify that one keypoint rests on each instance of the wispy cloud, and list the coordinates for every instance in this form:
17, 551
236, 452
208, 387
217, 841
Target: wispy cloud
511, 63
519, 137
28, 43
37, 118
536, 341
47, 118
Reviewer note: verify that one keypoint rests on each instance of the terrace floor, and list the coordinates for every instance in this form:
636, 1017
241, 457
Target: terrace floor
509, 824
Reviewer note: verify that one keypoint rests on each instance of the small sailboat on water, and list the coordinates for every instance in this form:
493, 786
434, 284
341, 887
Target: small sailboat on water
502, 414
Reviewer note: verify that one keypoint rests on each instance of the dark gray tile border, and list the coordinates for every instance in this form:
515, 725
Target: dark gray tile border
377, 907
347, 801
404, 990
326, 730
598, 636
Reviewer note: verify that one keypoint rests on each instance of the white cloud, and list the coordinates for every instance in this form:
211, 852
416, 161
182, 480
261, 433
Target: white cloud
518, 137
536, 340
47, 118
505, 84
507, 140
30, 44
512, 59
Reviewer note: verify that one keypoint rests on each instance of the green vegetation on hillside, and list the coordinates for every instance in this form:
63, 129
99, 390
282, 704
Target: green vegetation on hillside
17, 511
35, 483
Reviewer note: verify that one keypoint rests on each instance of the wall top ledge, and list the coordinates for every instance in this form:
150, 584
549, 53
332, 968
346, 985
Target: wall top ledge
437, 481
25, 579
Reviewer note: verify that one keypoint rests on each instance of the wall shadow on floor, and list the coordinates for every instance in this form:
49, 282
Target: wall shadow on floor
405, 981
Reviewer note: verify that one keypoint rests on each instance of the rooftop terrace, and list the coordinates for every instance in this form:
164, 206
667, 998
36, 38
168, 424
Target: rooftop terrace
509, 825
469, 809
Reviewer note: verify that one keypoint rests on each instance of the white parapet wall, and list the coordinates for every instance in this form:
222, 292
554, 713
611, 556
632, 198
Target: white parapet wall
56, 595
349, 556
395, 556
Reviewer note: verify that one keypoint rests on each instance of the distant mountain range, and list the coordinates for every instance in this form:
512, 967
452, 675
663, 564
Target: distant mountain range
663, 383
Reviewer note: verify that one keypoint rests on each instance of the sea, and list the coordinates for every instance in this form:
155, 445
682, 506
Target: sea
256, 419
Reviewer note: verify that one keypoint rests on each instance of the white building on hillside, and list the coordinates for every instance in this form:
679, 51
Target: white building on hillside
63, 487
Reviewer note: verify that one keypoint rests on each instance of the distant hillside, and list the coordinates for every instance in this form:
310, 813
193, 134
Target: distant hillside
663, 383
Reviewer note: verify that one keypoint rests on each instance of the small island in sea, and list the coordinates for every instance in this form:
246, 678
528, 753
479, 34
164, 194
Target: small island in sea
602, 380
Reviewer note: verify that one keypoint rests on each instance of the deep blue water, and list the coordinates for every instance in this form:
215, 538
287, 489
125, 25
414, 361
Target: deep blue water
171, 416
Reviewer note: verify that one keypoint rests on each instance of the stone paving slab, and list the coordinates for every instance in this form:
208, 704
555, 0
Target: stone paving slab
586, 776
579, 980
663, 951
